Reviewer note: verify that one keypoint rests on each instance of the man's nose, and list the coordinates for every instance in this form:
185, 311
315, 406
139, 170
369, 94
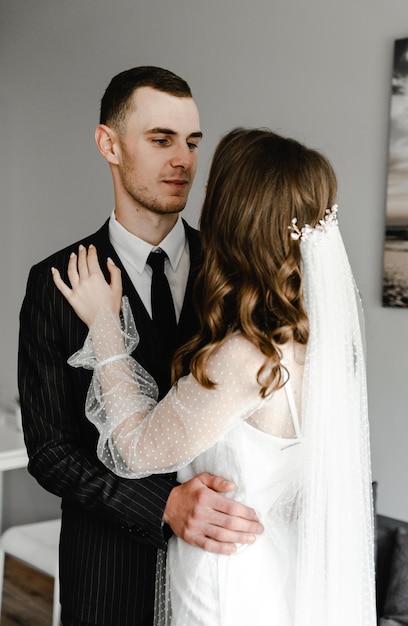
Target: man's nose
182, 157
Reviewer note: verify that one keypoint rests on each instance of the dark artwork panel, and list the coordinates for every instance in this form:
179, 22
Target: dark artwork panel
395, 278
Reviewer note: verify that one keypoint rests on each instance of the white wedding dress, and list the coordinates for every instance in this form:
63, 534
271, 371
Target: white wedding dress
255, 585
229, 431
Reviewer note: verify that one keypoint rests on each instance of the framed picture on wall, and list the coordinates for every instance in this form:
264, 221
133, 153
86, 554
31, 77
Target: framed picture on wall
395, 276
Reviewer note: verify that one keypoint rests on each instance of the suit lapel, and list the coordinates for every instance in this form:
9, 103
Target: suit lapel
188, 323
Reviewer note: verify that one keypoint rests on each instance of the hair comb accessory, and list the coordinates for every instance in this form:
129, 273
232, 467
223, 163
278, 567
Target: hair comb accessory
329, 220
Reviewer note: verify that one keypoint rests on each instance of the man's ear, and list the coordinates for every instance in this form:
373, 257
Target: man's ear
106, 141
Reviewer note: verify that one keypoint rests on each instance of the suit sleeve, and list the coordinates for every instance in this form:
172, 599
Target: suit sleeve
61, 443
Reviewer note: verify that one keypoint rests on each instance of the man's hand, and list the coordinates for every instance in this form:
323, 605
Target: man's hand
198, 513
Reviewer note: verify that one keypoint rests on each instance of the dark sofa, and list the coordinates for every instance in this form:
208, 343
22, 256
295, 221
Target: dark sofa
391, 571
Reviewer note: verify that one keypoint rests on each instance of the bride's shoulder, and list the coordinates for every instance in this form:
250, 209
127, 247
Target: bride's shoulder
235, 358
238, 348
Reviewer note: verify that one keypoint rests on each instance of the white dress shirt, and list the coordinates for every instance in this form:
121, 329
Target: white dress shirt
133, 253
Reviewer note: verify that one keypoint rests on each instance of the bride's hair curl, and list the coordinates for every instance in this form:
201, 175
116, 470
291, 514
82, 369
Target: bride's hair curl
251, 278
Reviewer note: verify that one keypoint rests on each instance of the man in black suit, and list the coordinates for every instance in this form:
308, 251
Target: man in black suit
112, 527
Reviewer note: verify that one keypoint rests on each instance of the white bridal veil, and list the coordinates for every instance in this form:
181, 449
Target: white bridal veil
336, 547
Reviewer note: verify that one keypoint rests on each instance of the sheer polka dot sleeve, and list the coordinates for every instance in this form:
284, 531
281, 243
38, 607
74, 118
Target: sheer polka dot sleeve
137, 436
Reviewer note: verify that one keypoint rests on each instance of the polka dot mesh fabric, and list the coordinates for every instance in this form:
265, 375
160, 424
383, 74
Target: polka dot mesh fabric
139, 437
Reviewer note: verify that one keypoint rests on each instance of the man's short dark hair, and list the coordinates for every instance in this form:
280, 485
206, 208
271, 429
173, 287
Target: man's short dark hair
116, 103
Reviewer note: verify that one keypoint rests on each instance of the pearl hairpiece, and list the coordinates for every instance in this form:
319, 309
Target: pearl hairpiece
329, 220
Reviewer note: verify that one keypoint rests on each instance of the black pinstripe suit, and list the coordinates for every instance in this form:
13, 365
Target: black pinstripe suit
111, 527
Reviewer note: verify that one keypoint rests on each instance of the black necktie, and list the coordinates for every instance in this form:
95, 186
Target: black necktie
163, 314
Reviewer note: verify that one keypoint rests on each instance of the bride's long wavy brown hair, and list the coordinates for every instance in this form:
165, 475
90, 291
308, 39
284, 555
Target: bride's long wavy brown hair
251, 279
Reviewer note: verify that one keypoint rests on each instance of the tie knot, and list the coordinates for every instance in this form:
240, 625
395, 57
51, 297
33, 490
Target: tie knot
156, 260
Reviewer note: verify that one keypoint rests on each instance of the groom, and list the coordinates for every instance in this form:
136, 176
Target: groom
149, 134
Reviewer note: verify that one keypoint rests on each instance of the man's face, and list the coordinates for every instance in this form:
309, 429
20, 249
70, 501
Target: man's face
158, 151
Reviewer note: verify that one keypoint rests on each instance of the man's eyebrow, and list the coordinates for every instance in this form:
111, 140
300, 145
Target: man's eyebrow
168, 131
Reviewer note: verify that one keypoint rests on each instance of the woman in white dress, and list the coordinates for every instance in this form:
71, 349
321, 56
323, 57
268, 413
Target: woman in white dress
275, 399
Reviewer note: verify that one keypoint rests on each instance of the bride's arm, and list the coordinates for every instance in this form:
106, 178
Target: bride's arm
137, 437
188, 420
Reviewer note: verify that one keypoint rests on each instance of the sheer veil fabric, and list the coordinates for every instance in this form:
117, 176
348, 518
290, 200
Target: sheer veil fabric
335, 579
329, 504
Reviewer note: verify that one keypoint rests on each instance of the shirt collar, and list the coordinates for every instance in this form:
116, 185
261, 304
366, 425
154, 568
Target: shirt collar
136, 250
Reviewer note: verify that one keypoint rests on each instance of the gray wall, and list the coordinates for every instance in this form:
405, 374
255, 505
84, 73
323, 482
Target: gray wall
318, 70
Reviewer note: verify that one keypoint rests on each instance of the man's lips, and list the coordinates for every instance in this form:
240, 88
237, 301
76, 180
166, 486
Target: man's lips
176, 181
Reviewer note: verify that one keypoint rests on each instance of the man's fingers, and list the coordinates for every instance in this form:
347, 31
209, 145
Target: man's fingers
217, 538
237, 514
204, 517
216, 483
205, 543
226, 543
231, 508
246, 522
231, 528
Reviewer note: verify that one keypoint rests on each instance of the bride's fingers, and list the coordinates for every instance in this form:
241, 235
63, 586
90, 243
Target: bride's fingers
93, 262
83, 269
59, 283
72, 270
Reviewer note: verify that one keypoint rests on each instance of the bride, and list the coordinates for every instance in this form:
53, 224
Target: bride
275, 398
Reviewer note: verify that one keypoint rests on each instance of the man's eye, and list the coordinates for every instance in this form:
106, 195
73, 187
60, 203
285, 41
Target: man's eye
160, 142
192, 146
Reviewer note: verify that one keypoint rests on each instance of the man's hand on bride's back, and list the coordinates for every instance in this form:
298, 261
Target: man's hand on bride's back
89, 292
198, 512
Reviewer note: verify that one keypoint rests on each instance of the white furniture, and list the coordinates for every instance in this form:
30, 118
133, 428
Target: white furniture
34, 544
37, 546
13, 454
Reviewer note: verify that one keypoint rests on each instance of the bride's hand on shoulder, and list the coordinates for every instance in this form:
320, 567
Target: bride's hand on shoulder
89, 292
